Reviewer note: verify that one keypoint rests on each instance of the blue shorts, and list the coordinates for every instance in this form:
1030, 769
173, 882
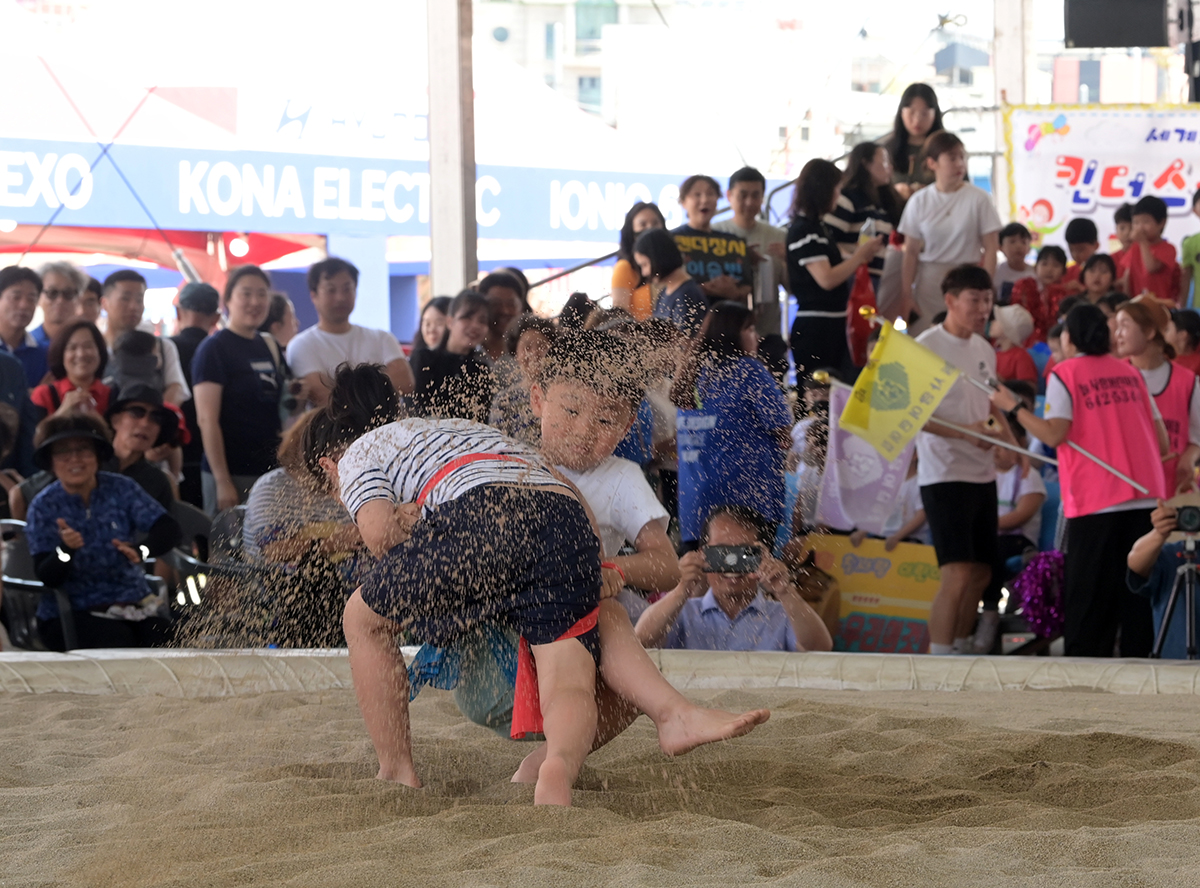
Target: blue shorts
524, 558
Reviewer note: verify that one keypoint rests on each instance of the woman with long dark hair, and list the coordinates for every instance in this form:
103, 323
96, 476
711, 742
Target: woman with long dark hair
867, 202
917, 118
1102, 404
734, 403
455, 378
432, 326
630, 290
818, 273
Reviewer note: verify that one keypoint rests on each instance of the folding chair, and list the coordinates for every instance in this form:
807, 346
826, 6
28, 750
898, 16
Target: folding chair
23, 592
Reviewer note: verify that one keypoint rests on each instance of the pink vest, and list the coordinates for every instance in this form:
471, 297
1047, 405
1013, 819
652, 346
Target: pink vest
1111, 418
1174, 403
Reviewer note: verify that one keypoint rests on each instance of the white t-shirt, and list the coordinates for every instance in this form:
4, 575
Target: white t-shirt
317, 351
908, 504
956, 459
173, 368
950, 224
1156, 382
620, 498
1006, 275
1011, 488
397, 461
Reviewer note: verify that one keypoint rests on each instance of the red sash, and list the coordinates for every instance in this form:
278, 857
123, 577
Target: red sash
527, 705
458, 463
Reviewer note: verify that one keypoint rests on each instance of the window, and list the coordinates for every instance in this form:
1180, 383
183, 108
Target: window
551, 43
589, 93
590, 17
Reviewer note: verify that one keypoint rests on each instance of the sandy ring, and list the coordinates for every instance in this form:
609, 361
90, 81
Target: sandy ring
224, 673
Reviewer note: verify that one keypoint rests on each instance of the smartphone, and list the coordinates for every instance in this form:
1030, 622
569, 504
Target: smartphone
732, 559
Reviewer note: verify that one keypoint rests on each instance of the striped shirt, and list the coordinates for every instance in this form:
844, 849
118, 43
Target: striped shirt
846, 221
398, 461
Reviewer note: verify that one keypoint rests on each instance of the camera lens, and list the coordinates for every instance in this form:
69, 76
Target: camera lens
1188, 519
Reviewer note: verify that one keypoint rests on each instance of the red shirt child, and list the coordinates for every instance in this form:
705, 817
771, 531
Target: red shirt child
1012, 326
1041, 294
1150, 265
1041, 303
1164, 283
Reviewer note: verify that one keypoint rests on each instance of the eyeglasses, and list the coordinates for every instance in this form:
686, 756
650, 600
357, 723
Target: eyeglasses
65, 295
139, 412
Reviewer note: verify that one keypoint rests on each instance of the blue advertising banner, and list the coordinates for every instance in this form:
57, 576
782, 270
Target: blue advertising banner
205, 190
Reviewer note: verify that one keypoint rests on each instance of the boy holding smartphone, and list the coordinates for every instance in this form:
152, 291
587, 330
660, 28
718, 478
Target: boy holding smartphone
728, 610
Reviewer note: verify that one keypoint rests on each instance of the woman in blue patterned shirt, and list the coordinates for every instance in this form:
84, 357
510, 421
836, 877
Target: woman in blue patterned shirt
83, 532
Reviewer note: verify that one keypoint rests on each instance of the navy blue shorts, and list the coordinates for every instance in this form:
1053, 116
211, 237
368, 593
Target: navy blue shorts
521, 557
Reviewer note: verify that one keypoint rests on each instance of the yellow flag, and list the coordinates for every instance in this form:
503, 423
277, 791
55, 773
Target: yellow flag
896, 393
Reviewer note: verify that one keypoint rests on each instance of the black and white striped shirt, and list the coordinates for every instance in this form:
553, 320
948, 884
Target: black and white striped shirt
846, 221
397, 462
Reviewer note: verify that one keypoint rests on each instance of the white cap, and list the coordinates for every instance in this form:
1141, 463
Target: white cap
1015, 323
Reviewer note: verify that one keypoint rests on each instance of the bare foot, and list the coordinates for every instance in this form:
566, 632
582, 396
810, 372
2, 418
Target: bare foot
399, 774
527, 772
694, 726
553, 783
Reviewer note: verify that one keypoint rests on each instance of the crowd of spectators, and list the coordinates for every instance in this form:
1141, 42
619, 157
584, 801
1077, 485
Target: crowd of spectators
108, 421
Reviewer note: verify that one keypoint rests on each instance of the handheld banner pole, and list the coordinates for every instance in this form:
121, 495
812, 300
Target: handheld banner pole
825, 379
983, 386
869, 313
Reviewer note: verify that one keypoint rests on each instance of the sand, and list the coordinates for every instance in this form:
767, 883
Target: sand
839, 789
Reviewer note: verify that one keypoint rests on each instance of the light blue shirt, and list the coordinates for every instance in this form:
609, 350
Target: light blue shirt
761, 625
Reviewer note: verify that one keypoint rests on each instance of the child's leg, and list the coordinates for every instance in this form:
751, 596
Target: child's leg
567, 689
632, 675
381, 685
631, 684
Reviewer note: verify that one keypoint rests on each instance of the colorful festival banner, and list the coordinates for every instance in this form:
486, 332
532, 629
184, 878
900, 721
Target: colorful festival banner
859, 488
886, 596
1067, 161
896, 393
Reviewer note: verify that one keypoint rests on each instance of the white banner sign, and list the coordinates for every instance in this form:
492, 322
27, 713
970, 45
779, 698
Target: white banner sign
1068, 161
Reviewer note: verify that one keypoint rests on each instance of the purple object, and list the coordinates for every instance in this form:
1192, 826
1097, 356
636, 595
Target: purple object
1039, 591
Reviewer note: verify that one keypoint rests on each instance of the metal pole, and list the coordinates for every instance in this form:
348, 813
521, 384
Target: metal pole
1189, 49
453, 256
983, 386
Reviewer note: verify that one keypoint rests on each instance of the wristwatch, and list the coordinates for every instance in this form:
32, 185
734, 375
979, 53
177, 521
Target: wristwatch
1012, 414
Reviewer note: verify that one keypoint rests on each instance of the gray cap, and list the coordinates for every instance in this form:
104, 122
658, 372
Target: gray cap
200, 297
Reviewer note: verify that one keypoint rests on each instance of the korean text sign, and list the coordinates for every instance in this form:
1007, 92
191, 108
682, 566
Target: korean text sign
1070, 161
